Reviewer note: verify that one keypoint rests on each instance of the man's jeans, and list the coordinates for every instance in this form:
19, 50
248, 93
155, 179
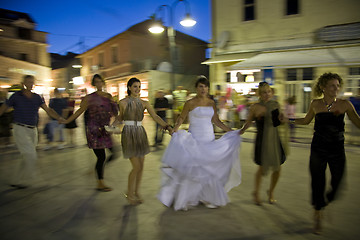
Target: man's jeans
53, 126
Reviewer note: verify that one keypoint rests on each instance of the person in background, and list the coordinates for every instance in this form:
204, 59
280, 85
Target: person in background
180, 95
327, 146
59, 105
100, 108
5, 122
72, 125
26, 106
134, 140
290, 110
161, 105
269, 150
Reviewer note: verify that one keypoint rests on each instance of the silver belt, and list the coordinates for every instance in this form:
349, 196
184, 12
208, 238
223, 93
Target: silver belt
133, 123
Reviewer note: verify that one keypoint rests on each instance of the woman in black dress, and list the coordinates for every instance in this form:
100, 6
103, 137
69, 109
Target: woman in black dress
327, 147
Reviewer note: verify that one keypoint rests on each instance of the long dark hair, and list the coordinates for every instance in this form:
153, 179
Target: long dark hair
130, 83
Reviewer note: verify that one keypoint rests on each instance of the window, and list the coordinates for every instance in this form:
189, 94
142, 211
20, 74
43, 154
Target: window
295, 74
307, 74
114, 54
90, 63
291, 74
249, 10
101, 59
292, 7
23, 56
354, 71
24, 33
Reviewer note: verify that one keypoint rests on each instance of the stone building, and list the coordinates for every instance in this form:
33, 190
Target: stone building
23, 51
288, 43
138, 53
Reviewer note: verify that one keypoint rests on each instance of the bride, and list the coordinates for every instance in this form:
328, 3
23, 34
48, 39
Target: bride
196, 167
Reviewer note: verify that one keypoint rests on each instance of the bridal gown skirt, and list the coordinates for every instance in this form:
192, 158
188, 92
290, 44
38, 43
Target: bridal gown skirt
196, 171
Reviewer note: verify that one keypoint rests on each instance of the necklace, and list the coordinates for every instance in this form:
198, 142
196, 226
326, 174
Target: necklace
329, 106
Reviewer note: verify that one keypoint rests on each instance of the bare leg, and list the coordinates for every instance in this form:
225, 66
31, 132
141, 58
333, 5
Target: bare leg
274, 179
258, 177
138, 179
132, 180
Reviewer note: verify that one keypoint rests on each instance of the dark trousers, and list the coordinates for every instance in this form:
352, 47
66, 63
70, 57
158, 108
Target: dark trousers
159, 134
100, 163
319, 159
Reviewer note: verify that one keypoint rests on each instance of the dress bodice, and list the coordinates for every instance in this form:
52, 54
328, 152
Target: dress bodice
329, 126
134, 110
200, 123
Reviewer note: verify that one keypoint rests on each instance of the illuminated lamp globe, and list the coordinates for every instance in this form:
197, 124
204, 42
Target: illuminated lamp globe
188, 21
156, 28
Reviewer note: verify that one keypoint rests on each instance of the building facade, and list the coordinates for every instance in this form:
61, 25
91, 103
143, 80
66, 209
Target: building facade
137, 52
288, 43
23, 51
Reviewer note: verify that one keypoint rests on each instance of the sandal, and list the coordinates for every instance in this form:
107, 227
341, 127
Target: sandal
104, 189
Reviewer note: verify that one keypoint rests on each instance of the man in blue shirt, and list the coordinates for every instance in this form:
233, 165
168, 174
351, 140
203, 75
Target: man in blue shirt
26, 106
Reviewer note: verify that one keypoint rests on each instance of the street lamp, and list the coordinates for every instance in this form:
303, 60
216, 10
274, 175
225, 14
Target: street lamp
158, 27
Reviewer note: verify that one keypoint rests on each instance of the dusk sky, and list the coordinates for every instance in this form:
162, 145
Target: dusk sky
67, 21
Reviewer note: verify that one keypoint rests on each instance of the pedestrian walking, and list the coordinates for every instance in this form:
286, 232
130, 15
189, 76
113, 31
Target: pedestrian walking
72, 125
100, 108
327, 146
26, 106
197, 168
134, 139
59, 105
269, 150
161, 105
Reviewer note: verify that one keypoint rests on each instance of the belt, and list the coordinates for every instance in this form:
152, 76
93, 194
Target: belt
133, 123
25, 125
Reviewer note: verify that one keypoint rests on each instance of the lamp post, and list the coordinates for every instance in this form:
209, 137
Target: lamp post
158, 27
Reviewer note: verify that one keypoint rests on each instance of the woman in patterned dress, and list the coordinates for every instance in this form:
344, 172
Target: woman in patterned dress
100, 108
134, 140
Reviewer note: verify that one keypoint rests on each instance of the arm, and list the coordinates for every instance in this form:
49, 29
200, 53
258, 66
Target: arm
182, 116
216, 120
83, 107
308, 117
249, 119
353, 116
119, 117
156, 117
3, 108
51, 112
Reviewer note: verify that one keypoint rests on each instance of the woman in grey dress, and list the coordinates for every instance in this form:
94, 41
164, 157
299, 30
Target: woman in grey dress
134, 140
269, 151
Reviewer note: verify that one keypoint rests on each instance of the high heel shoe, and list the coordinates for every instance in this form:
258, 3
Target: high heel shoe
132, 200
257, 201
317, 222
271, 200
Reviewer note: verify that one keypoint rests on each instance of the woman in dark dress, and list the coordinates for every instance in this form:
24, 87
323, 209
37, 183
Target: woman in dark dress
327, 147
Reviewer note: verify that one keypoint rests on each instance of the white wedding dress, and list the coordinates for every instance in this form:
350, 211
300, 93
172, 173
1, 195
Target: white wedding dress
196, 167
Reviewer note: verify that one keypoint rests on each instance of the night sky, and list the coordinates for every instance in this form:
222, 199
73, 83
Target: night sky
96, 21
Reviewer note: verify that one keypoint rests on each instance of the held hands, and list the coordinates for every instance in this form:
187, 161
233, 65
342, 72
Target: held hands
169, 129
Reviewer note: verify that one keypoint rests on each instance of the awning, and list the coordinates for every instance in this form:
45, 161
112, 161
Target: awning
226, 58
332, 56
